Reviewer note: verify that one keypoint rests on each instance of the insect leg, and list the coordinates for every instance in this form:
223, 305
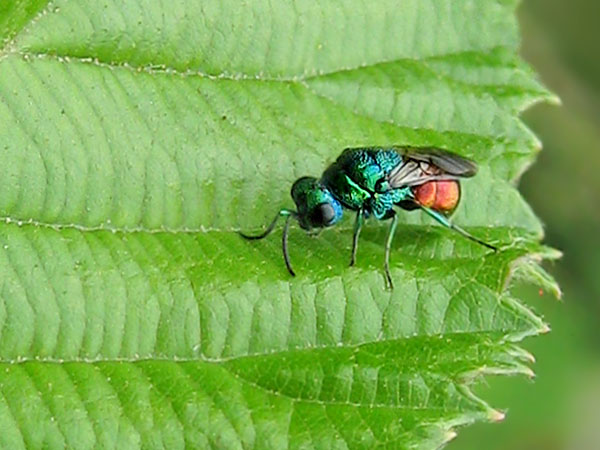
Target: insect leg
284, 241
358, 223
444, 221
388, 246
288, 214
271, 227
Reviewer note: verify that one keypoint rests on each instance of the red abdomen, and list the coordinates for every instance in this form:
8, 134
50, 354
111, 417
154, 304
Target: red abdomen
442, 196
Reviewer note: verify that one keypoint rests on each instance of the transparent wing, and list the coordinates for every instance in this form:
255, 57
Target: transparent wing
423, 164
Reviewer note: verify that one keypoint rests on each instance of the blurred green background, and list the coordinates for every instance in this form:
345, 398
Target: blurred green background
560, 409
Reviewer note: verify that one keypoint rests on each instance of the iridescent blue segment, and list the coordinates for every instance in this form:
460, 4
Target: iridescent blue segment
381, 205
386, 159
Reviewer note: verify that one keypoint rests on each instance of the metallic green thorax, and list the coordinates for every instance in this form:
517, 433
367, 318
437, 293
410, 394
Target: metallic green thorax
358, 180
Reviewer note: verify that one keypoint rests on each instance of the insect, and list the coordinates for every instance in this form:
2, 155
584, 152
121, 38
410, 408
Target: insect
374, 181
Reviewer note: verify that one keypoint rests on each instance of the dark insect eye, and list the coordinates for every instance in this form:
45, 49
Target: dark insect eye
322, 215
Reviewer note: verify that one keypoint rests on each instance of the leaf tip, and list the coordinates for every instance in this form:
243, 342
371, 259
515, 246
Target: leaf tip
496, 416
522, 354
450, 435
553, 100
529, 357
528, 269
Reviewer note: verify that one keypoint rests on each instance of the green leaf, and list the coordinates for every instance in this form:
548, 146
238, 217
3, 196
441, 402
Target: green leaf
137, 137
